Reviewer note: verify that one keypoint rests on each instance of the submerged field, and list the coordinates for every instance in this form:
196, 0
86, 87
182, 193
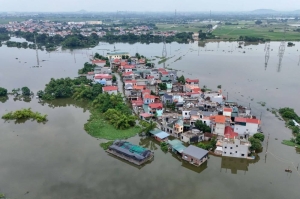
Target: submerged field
273, 32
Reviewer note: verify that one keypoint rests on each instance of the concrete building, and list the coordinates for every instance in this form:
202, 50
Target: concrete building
219, 125
110, 89
116, 55
233, 146
246, 126
194, 155
192, 136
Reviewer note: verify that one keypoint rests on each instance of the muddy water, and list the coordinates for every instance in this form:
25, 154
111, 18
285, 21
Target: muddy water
60, 160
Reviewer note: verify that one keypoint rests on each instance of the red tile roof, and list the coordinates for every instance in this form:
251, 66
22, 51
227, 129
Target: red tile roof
97, 61
127, 74
156, 105
138, 102
128, 66
110, 88
90, 73
220, 119
116, 60
247, 120
131, 81
150, 77
146, 91
150, 96
136, 87
188, 80
103, 76
164, 72
161, 69
229, 133
227, 109
145, 115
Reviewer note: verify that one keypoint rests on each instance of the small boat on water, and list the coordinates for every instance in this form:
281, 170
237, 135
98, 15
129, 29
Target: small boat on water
288, 170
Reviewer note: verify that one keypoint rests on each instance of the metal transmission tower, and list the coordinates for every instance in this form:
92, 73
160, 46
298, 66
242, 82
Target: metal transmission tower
37, 54
164, 51
267, 56
281, 51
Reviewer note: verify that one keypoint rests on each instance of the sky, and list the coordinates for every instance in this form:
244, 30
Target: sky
145, 5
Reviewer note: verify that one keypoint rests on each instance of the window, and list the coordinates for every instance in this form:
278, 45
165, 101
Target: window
230, 147
225, 147
181, 137
235, 151
185, 113
230, 153
224, 152
243, 155
237, 145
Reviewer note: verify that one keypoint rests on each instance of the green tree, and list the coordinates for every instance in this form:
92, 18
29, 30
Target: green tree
3, 91
258, 22
114, 78
297, 140
219, 86
148, 126
295, 129
259, 136
255, 144
25, 91
181, 79
202, 127
162, 86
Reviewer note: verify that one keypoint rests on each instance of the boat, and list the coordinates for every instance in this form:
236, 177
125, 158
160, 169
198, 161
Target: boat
288, 170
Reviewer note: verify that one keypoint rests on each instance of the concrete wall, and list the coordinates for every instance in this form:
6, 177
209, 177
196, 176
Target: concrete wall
235, 149
186, 114
193, 160
220, 129
252, 128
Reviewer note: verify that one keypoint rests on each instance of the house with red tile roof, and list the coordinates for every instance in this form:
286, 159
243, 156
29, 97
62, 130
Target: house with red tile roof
219, 127
156, 108
191, 81
227, 112
127, 68
246, 126
104, 79
110, 89
148, 99
99, 62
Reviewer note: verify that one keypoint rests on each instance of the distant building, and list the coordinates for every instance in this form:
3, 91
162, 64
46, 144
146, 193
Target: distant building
117, 55
110, 89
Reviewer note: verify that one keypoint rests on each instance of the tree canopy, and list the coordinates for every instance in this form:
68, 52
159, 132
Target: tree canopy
259, 136
255, 144
3, 91
202, 127
181, 79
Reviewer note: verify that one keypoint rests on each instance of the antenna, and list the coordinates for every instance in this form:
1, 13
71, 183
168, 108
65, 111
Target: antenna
36, 50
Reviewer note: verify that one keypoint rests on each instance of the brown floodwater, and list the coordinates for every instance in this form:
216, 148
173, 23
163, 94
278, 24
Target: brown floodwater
59, 159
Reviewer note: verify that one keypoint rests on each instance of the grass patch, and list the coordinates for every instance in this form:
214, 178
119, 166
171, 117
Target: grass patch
262, 103
2, 195
290, 143
25, 114
106, 145
98, 127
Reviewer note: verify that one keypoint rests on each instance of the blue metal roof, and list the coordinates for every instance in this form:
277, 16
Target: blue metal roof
162, 135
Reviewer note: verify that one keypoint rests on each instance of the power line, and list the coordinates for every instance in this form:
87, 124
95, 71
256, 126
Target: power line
37, 54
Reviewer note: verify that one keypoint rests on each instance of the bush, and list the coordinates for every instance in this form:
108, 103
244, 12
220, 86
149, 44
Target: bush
25, 91
255, 144
3, 91
25, 114
259, 136
106, 145
164, 147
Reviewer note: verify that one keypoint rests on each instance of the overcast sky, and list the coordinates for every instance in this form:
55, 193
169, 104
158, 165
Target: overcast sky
146, 5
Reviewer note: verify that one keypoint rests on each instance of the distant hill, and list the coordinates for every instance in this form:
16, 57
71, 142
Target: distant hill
263, 11
82, 11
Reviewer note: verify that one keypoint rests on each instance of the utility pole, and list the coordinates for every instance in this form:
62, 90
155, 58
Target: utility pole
227, 97
267, 148
164, 51
299, 61
37, 54
260, 116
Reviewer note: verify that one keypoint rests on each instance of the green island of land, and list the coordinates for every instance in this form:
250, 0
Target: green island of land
25, 114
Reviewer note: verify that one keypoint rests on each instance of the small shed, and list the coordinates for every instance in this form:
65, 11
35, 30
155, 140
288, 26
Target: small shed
159, 135
195, 155
176, 146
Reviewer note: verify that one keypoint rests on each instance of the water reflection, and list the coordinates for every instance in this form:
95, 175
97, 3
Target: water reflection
149, 143
64, 103
3, 99
236, 164
131, 164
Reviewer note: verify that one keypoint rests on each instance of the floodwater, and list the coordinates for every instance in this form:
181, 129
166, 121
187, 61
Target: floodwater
59, 159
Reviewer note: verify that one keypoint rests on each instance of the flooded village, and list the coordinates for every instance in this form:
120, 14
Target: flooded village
185, 113
60, 155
